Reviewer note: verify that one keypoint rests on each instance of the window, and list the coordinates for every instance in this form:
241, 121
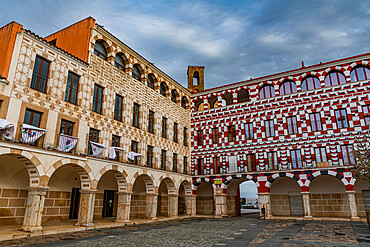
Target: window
115, 143
118, 107
216, 165
184, 102
135, 115
185, 170
320, 154
175, 125
292, 125
295, 156
32, 117
151, 122
185, 136
163, 159
315, 120
174, 95
164, 127
136, 72
66, 127
200, 167
270, 128
150, 81
149, 156
288, 87
310, 83
119, 63
366, 112
251, 162
267, 92
134, 148
98, 99
93, 137
360, 73
40, 74
334, 78
341, 117
348, 157
174, 163
200, 137
272, 160
163, 89
72, 88
248, 131
215, 135
231, 133
99, 50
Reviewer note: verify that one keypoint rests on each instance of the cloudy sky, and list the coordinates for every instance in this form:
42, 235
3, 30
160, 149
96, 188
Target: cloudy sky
235, 40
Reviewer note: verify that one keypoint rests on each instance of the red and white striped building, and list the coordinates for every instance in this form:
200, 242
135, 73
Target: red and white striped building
291, 133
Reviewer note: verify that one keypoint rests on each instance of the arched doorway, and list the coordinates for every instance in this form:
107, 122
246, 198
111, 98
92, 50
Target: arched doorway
205, 201
239, 192
143, 199
62, 201
17, 174
248, 197
184, 191
106, 198
362, 194
286, 197
328, 197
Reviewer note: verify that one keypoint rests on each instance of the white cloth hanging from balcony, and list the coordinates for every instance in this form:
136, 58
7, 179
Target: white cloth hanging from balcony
132, 155
233, 164
66, 142
31, 133
97, 149
6, 129
112, 152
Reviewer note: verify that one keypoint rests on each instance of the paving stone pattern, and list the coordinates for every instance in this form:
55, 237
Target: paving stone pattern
236, 231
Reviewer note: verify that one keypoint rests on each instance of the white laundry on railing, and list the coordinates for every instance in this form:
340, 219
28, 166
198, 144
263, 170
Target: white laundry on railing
112, 152
132, 155
31, 133
66, 142
97, 149
6, 129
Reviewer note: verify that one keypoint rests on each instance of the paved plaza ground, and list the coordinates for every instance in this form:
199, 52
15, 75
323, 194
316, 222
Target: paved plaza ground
236, 231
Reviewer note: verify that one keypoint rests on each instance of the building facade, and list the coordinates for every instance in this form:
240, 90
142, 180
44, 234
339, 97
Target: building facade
99, 131
291, 134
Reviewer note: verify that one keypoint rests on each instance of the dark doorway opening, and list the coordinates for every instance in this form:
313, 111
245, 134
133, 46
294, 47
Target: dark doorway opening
75, 201
108, 203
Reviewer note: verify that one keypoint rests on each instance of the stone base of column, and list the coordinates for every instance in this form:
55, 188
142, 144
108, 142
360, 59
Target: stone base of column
355, 219
30, 228
308, 218
86, 224
122, 221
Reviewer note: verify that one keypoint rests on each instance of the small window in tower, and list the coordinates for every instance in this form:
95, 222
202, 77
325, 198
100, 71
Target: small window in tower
196, 78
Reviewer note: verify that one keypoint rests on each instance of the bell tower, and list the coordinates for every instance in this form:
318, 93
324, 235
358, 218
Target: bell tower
195, 78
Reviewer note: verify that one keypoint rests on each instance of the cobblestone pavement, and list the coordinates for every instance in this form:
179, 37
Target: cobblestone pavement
237, 231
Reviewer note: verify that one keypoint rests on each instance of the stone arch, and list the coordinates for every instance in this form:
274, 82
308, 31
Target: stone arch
213, 102
141, 70
228, 98
124, 58
243, 96
84, 171
184, 102
148, 180
174, 95
197, 182
187, 186
163, 89
118, 173
229, 179
171, 188
199, 105
104, 42
283, 174
327, 172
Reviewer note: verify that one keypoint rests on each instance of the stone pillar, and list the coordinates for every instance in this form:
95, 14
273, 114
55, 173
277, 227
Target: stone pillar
306, 205
123, 207
34, 208
221, 205
151, 205
173, 205
191, 204
265, 201
352, 205
86, 209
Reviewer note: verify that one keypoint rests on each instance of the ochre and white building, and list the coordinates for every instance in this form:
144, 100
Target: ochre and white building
82, 103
